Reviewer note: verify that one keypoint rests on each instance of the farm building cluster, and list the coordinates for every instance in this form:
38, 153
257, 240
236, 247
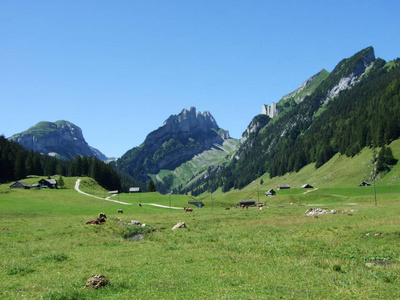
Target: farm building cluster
272, 192
43, 183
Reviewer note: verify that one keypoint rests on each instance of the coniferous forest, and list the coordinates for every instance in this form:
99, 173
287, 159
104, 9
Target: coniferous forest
17, 163
366, 115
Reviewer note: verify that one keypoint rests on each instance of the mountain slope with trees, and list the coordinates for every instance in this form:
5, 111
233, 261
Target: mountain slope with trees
356, 106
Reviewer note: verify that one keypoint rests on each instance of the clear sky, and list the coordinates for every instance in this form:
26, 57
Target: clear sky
119, 69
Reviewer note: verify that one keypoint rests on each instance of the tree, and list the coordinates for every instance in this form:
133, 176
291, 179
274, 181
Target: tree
61, 182
151, 187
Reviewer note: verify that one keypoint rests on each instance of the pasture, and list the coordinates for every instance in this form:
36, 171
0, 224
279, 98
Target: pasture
48, 252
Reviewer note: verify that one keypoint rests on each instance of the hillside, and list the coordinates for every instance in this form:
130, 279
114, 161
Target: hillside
199, 167
356, 106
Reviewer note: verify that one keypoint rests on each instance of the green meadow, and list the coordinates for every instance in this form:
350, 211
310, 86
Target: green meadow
48, 252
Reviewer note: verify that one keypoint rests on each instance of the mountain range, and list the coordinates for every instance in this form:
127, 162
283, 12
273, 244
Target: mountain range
354, 106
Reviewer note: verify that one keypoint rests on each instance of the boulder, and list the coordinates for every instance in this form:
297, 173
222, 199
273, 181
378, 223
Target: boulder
315, 211
179, 225
96, 281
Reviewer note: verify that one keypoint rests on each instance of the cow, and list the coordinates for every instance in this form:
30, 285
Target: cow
93, 221
120, 211
100, 219
188, 209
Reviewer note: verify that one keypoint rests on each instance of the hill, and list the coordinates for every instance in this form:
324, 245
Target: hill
61, 139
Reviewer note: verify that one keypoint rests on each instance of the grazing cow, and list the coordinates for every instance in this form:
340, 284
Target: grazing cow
140, 205
188, 209
93, 221
228, 208
120, 211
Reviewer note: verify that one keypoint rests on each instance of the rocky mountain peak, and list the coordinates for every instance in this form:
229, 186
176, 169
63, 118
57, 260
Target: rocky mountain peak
61, 138
180, 138
190, 121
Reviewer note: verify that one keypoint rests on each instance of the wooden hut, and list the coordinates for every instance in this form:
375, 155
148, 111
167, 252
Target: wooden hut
19, 185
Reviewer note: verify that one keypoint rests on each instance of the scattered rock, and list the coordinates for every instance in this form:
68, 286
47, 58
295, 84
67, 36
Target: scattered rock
315, 211
320, 211
179, 225
134, 222
96, 281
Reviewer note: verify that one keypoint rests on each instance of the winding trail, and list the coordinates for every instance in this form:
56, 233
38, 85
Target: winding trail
77, 183
163, 206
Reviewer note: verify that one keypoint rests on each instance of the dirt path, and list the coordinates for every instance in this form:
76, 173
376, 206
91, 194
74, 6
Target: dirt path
77, 183
163, 206
309, 191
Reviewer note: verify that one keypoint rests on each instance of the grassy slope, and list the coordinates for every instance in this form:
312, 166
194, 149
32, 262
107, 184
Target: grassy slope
197, 166
308, 89
278, 253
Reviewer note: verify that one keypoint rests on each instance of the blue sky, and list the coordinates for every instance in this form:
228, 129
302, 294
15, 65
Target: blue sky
119, 69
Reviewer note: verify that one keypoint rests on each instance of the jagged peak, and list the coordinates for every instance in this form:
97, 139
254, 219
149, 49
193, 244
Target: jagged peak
189, 119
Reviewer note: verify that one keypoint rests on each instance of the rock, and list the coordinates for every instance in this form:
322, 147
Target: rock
96, 281
179, 225
315, 211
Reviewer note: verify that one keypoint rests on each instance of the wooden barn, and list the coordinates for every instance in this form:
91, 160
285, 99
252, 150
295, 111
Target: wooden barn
283, 186
306, 186
134, 190
247, 203
19, 185
271, 192
50, 183
197, 204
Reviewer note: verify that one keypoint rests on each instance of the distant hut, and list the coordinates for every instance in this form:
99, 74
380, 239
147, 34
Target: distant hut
50, 183
134, 190
198, 204
283, 186
271, 192
364, 183
306, 186
247, 203
19, 185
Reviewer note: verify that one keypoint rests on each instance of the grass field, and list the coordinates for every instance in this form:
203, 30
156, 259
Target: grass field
48, 252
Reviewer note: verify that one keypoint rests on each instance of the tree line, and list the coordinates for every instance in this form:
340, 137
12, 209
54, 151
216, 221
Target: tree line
17, 163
